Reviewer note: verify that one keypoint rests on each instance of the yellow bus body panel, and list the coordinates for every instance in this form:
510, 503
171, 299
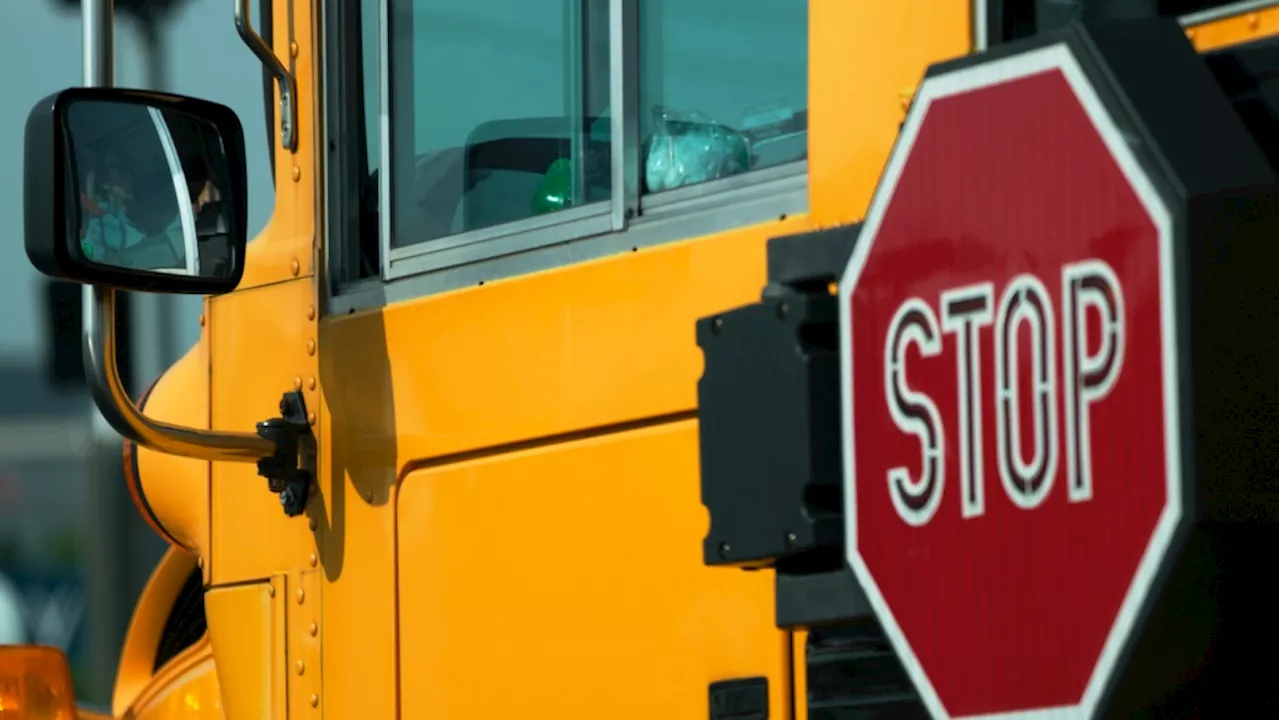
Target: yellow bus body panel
570, 575
1235, 30
247, 630
193, 694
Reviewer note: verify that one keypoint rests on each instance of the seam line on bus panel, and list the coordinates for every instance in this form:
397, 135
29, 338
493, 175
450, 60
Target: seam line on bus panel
243, 583
271, 283
546, 440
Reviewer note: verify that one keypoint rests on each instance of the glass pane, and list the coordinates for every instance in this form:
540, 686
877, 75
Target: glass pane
369, 56
723, 88
148, 187
499, 112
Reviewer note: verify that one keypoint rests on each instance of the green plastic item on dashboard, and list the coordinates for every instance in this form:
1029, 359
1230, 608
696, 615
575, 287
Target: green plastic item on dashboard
555, 192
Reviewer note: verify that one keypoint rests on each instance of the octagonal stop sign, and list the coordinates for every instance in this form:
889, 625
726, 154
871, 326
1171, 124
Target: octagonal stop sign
1012, 414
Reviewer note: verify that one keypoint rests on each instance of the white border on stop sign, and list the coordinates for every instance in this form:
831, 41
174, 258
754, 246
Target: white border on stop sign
1054, 57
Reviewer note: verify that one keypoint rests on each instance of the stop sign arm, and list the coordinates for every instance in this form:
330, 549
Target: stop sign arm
1084, 217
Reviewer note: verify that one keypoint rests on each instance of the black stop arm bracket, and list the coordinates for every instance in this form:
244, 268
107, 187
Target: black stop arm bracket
284, 473
769, 432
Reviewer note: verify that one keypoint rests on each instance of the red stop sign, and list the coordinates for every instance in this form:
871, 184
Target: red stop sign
1010, 398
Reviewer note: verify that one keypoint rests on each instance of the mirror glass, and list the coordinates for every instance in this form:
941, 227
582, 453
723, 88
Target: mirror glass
150, 184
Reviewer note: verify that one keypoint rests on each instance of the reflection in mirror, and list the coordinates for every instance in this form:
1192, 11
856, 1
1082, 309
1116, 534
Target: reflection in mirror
150, 185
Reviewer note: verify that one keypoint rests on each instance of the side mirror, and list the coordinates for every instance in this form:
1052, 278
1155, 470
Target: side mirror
136, 190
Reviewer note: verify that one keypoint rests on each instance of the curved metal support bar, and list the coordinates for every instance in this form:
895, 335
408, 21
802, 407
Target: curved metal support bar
113, 400
288, 85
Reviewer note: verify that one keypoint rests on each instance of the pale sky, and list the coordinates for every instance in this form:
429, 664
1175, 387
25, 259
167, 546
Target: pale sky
40, 54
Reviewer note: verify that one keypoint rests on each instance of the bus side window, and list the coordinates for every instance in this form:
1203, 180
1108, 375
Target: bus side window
501, 109
723, 88
491, 118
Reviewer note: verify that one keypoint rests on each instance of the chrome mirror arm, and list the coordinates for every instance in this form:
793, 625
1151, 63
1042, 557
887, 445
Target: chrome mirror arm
119, 411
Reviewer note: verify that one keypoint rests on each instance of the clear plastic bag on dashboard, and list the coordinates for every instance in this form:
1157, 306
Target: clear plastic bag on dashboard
687, 148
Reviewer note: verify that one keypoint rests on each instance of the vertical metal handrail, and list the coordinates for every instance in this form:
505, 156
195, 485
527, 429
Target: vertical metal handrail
288, 85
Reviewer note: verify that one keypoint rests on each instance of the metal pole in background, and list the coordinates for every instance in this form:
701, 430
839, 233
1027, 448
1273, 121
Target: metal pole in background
99, 43
120, 550
108, 502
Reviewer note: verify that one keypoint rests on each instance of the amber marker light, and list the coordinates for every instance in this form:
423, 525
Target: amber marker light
35, 684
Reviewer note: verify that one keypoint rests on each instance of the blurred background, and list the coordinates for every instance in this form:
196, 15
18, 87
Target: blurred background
74, 553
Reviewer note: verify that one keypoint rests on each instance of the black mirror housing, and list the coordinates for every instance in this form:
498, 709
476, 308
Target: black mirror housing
119, 186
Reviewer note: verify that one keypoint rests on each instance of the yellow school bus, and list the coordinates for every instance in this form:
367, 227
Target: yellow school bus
437, 450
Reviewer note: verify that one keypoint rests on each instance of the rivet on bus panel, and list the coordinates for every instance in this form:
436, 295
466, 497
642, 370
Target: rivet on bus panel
311, 383
293, 49
297, 173
311, 418
271, 591
311, 312
313, 559
302, 595
294, 267
302, 668
202, 321
314, 629
311, 347
1253, 21
315, 700
297, 383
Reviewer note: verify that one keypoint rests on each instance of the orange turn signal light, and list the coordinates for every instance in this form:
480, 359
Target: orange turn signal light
35, 684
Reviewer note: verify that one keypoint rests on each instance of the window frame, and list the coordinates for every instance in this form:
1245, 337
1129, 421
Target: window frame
341, 141
627, 221
1225, 10
989, 28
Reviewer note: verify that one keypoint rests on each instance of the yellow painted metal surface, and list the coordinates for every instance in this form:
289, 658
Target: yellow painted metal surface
302, 619
583, 346
135, 677
262, 346
800, 673
288, 247
572, 575
864, 57
177, 488
507, 362
358, 565
247, 630
1235, 30
193, 695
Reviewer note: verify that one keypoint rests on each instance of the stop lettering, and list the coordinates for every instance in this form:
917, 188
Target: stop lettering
1027, 450
1010, 407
